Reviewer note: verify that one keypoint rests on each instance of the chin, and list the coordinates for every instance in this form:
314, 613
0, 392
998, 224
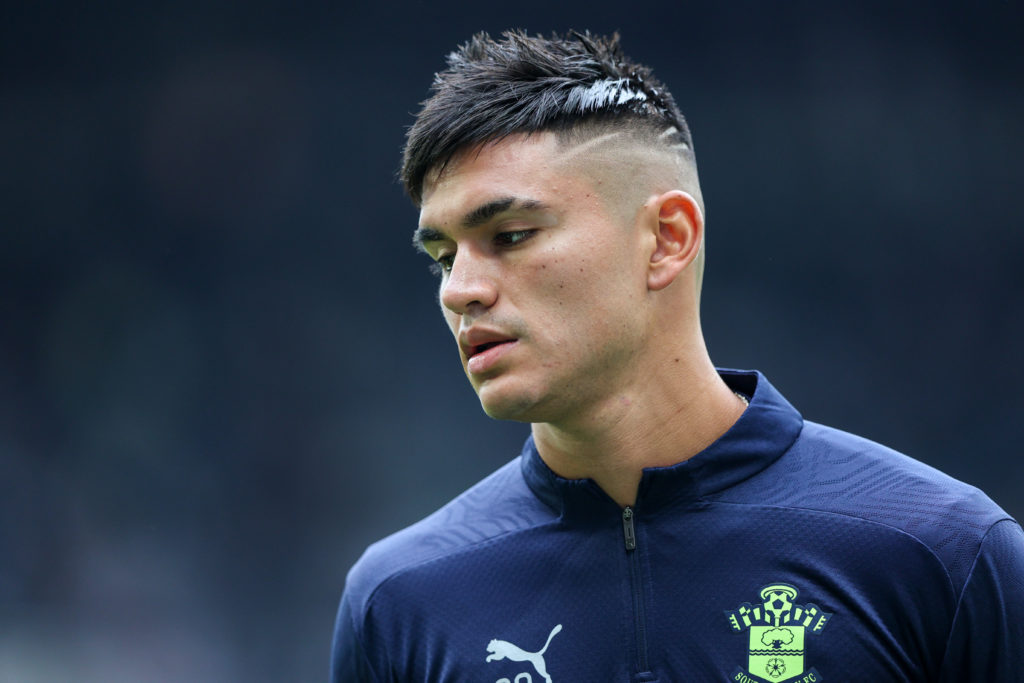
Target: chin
502, 404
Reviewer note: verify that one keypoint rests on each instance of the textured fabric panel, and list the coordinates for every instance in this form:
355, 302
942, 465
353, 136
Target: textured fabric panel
439, 618
497, 505
348, 657
889, 597
986, 642
833, 471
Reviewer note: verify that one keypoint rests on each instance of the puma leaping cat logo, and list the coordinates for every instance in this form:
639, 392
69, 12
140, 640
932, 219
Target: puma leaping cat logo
501, 649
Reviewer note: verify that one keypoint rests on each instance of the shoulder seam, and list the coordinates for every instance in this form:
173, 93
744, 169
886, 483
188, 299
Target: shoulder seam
902, 532
423, 563
970, 575
357, 633
977, 556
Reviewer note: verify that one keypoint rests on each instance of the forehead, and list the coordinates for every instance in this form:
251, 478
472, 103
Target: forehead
528, 166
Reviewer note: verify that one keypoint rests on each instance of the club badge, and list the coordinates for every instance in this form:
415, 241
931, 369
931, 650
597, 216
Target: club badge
777, 629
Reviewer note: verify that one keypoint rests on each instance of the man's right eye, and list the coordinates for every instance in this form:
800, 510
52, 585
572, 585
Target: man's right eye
443, 265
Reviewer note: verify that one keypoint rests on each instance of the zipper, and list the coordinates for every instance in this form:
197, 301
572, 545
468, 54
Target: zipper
627, 528
636, 587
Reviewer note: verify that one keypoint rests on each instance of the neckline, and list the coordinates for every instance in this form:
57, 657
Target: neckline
765, 430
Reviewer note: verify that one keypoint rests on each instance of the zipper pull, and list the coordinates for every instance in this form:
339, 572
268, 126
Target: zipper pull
627, 528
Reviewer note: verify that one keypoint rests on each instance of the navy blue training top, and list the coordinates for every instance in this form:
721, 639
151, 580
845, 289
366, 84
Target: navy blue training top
786, 551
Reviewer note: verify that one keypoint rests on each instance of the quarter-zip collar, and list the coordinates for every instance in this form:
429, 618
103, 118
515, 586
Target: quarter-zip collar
766, 430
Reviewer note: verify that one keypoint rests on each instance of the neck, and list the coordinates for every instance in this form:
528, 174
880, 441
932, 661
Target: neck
667, 416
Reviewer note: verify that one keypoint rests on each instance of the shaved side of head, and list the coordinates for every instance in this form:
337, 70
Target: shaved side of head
628, 166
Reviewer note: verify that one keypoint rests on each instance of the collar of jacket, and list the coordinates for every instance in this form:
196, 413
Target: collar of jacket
765, 431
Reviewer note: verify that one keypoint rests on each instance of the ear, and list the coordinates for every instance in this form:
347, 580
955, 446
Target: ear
680, 233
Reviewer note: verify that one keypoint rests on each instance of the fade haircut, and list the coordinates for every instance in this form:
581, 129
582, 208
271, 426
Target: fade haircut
577, 86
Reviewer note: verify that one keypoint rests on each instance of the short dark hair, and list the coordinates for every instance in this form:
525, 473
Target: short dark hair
522, 84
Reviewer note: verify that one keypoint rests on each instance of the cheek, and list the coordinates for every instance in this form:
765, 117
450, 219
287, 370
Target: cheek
580, 299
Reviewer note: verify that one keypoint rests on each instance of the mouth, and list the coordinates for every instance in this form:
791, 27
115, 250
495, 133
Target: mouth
480, 348
483, 357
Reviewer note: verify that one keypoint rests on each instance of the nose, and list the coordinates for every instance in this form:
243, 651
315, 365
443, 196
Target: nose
468, 284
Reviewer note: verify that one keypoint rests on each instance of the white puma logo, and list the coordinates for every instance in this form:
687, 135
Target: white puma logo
501, 649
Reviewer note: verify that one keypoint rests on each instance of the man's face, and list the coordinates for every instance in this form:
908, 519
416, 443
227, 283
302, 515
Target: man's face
543, 284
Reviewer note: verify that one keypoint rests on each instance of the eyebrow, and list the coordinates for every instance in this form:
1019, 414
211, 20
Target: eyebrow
477, 217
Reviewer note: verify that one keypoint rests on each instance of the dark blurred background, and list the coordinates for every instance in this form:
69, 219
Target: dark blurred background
222, 368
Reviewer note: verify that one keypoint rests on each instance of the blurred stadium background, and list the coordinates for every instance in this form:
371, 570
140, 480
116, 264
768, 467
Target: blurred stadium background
222, 369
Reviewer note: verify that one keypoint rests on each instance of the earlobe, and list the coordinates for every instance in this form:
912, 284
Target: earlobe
680, 232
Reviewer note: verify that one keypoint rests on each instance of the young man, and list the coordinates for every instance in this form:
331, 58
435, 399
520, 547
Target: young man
666, 521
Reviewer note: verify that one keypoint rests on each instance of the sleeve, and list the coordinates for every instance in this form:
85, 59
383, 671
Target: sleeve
348, 659
985, 642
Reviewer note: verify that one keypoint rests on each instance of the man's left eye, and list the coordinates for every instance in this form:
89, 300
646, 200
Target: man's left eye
513, 237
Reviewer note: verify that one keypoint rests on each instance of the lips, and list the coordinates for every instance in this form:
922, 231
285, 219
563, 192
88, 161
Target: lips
487, 356
483, 348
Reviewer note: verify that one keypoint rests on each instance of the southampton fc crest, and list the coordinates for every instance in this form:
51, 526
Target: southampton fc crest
777, 628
